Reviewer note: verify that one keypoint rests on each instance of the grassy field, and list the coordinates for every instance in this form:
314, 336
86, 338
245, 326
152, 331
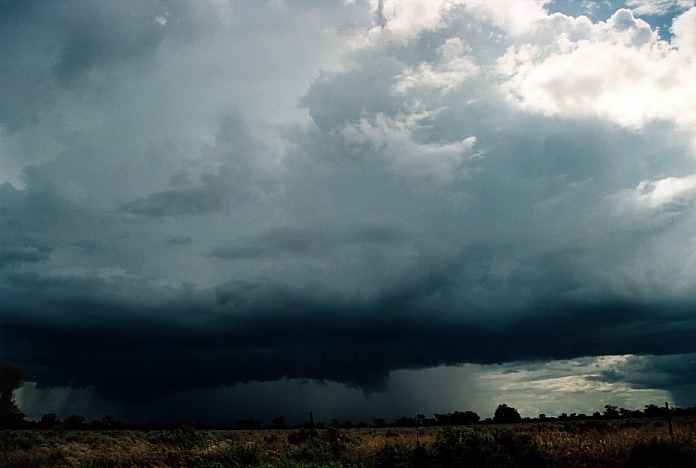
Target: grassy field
626, 442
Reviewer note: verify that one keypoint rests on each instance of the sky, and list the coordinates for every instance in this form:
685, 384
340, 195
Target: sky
215, 209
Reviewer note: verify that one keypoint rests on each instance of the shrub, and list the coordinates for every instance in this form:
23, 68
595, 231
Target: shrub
458, 448
336, 441
521, 449
20, 440
298, 437
420, 457
394, 456
659, 453
454, 447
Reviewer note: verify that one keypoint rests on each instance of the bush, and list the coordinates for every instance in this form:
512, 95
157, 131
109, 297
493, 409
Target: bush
659, 453
25, 440
458, 448
521, 449
336, 441
298, 437
394, 456
455, 448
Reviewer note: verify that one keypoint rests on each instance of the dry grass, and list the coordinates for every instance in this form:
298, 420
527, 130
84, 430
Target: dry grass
577, 444
584, 444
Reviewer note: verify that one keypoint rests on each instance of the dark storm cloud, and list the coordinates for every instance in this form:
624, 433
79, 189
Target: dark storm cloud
32, 221
84, 332
23, 254
337, 98
649, 371
47, 215
297, 241
675, 372
199, 200
117, 36
51, 45
213, 194
237, 180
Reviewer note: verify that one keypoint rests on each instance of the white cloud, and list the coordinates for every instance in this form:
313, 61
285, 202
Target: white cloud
671, 190
454, 67
616, 70
658, 7
684, 29
547, 387
393, 138
515, 18
653, 203
406, 19
162, 19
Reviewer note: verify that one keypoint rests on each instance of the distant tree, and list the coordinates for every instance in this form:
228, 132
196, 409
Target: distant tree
430, 422
405, 421
611, 412
107, 421
49, 421
347, 424
279, 422
442, 419
459, 418
74, 422
506, 414
379, 422
654, 411
10, 380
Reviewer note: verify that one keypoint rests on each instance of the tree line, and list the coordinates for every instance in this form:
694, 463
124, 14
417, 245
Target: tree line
12, 418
